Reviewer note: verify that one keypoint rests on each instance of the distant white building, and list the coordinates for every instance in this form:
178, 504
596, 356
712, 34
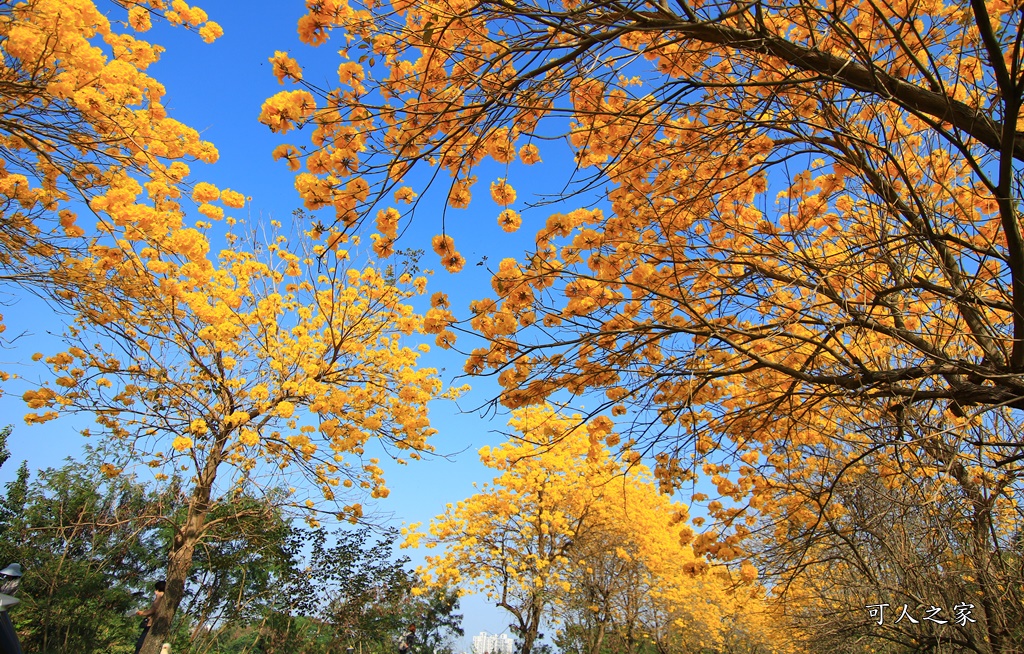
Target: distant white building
487, 643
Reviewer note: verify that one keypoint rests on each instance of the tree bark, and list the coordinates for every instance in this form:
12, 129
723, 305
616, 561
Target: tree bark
183, 546
532, 626
595, 647
179, 563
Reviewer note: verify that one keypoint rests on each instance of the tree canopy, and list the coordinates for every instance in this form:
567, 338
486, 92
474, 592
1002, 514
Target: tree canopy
794, 256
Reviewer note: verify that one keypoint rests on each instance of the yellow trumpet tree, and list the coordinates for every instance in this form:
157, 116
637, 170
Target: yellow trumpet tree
899, 534
635, 584
805, 252
224, 368
514, 539
246, 371
566, 535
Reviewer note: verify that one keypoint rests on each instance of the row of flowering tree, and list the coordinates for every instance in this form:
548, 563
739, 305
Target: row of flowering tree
566, 536
795, 266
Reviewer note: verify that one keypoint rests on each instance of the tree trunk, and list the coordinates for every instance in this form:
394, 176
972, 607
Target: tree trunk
595, 647
531, 628
183, 546
984, 546
179, 563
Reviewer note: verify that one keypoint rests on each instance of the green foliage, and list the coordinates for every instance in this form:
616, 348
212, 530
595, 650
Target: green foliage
87, 543
364, 594
439, 624
238, 567
13, 502
92, 545
344, 589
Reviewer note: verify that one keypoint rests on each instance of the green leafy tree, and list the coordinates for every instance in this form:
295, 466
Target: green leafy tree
438, 624
337, 590
13, 502
91, 546
238, 568
357, 586
87, 544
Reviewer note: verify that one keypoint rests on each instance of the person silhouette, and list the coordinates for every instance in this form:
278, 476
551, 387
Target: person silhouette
408, 642
148, 614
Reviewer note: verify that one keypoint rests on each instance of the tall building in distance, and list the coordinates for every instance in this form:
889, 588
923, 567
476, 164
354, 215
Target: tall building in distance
487, 643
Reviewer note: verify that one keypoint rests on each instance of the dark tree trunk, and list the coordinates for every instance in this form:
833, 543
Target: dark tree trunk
183, 546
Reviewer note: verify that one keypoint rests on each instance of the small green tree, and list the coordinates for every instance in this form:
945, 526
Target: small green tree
12, 504
357, 586
438, 624
92, 546
352, 591
87, 543
238, 571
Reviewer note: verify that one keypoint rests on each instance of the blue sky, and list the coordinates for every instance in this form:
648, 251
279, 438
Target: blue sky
218, 89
